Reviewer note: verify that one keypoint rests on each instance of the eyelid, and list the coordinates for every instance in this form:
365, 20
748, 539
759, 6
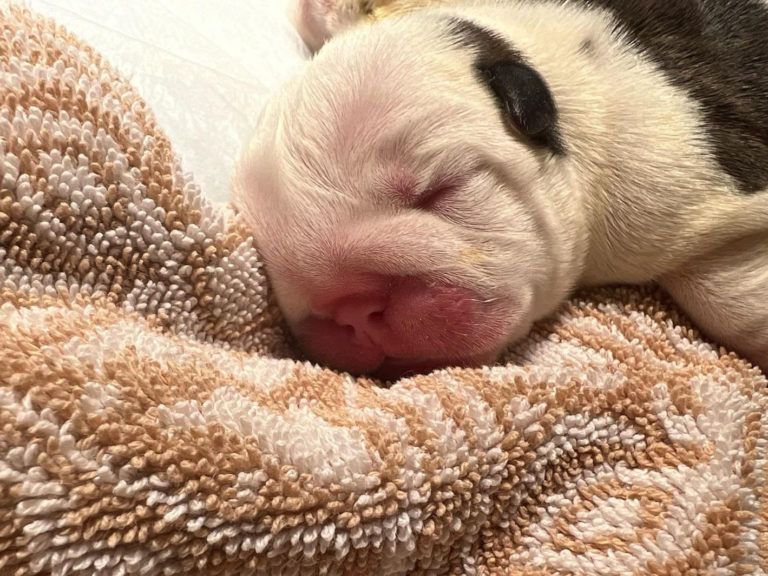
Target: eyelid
436, 190
406, 188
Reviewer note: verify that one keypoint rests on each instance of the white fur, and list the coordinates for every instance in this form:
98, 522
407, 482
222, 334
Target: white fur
637, 197
726, 294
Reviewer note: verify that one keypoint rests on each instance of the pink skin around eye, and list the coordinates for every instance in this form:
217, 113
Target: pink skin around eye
404, 187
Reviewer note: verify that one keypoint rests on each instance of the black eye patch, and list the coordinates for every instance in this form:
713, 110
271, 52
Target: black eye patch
521, 93
525, 101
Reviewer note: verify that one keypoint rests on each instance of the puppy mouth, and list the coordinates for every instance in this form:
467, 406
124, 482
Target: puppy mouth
369, 359
433, 328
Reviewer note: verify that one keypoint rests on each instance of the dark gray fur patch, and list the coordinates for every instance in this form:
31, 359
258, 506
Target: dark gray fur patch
714, 50
717, 51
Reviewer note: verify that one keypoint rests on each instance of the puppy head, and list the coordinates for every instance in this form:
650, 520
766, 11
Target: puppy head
318, 20
407, 194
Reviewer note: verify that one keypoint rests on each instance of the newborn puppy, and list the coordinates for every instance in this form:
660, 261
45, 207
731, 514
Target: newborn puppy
319, 20
434, 183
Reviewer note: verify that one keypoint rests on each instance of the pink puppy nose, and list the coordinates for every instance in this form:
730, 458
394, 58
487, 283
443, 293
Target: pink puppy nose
363, 314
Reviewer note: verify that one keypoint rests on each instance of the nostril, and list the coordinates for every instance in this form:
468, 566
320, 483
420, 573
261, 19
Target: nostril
363, 329
376, 316
349, 329
361, 316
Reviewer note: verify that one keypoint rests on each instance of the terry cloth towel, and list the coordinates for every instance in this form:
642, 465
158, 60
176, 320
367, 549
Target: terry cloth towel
152, 421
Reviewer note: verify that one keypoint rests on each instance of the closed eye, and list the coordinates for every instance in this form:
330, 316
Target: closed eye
434, 193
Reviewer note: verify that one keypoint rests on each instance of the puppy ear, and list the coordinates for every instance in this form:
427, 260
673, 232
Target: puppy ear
525, 100
313, 20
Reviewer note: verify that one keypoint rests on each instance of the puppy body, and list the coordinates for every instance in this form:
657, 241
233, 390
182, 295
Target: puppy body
629, 177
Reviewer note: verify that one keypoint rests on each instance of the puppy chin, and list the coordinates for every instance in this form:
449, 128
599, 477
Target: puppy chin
330, 345
393, 369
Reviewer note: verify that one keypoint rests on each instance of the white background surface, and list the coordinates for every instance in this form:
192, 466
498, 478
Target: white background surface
206, 68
